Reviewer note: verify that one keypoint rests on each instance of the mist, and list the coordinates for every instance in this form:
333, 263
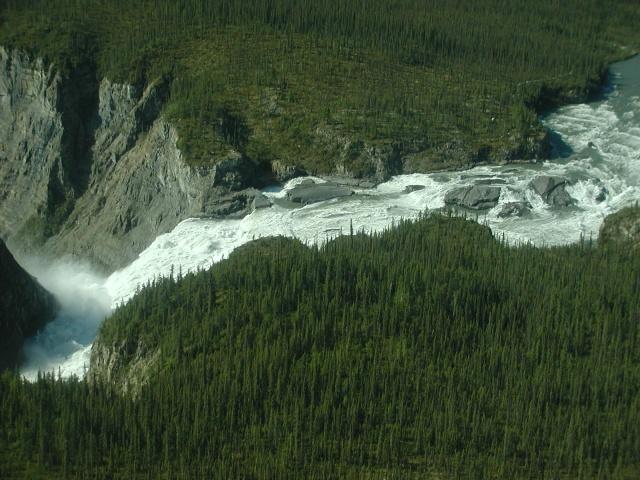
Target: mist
63, 346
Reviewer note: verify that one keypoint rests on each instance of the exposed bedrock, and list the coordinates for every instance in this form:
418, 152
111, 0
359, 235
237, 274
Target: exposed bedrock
552, 190
91, 168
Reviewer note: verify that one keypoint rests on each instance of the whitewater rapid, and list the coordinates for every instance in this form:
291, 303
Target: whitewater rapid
597, 146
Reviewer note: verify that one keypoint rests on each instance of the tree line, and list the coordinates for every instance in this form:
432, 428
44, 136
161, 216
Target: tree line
431, 350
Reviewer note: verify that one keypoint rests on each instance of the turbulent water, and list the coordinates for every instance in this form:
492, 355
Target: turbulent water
597, 146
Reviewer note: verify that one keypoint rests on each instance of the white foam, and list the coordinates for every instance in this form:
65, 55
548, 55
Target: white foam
64, 345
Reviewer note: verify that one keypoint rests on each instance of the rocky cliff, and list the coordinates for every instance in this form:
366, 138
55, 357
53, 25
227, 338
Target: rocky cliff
126, 365
90, 168
24, 307
622, 228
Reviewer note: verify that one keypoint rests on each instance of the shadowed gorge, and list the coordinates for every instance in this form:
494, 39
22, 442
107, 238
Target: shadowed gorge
25, 307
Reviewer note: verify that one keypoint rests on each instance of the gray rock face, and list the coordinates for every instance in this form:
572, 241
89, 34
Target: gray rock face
313, 193
475, 197
128, 183
514, 209
24, 307
283, 172
552, 190
31, 131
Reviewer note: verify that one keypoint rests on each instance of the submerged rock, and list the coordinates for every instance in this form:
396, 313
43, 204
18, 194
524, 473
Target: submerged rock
514, 209
552, 190
475, 197
602, 194
413, 188
312, 193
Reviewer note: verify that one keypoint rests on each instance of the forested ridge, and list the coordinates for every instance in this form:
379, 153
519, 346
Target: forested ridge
456, 81
431, 350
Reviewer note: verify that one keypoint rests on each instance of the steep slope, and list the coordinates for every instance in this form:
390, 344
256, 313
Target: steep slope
145, 113
24, 307
90, 168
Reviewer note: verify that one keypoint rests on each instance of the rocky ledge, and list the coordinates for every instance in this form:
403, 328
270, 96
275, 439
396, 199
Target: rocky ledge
311, 192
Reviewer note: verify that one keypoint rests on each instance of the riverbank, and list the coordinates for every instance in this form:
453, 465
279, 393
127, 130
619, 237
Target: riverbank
334, 97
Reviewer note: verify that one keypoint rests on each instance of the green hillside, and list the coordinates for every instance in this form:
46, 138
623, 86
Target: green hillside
443, 84
428, 351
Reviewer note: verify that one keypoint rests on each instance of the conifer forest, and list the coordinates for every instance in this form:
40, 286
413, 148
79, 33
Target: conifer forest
433, 349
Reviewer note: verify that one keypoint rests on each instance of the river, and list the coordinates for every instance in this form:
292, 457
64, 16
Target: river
596, 148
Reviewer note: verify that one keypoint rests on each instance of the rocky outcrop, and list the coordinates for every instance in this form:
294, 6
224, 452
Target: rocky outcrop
32, 173
99, 175
283, 172
552, 190
307, 193
457, 155
354, 158
622, 228
24, 307
124, 365
475, 197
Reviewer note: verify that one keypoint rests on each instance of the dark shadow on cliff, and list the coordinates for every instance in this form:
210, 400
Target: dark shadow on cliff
80, 119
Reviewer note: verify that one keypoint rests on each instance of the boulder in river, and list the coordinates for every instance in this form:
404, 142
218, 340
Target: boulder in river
312, 193
552, 190
602, 194
475, 197
514, 209
413, 188
261, 201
